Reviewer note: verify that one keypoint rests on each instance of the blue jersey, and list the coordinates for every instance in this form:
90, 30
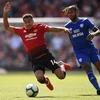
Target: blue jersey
80, 30
84, 49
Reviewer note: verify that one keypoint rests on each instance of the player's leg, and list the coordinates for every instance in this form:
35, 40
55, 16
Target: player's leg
39, 70
61, 74
43, 80
40, 76
85, 62
60, 71
52, 64
87, 67
97, 65
95, 58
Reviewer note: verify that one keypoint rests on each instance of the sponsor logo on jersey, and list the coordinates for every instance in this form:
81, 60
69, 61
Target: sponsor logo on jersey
30, 36
77, 33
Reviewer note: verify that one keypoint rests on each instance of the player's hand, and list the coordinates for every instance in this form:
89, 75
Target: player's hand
66, 30
90, 36
65, 11
7, 7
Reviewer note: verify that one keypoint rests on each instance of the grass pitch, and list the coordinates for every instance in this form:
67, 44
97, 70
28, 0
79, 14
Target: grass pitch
74, 87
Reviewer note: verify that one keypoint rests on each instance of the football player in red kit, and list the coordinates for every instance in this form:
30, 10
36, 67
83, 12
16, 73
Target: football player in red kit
32, 36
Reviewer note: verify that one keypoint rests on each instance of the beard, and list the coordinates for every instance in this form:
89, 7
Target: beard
74, 19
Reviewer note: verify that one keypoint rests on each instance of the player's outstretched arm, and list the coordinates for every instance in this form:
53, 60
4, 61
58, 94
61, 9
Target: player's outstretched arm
5, 18
96, 32
59, 29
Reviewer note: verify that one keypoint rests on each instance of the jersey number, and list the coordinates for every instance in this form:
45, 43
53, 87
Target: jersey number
53, 62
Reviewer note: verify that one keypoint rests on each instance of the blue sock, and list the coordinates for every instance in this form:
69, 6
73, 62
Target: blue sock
93, 80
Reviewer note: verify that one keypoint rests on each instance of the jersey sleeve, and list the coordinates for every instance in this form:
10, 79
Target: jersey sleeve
44, 27
18, 30
89, 24
66, 25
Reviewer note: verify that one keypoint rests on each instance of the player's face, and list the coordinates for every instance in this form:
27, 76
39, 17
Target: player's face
72, 14
28, 22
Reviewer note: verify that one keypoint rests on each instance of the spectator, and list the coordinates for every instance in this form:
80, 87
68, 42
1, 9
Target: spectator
51, 8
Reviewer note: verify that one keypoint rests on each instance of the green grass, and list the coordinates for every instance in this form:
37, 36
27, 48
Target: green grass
74, 87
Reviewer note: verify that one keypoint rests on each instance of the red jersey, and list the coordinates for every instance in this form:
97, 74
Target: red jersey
33, 39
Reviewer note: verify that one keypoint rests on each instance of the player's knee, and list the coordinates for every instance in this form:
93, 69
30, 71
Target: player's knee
62, 76
87, 67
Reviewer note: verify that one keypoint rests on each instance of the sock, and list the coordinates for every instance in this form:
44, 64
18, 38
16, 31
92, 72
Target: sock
93, 80
42, 81
64, 73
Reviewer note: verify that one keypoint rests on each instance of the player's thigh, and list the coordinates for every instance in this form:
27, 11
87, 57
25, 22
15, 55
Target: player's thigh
82, 58
94, 56
54, 67
84, 61
51, 64
87, 66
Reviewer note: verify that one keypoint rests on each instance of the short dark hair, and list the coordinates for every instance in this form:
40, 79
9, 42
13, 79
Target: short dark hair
70, 7
27, 16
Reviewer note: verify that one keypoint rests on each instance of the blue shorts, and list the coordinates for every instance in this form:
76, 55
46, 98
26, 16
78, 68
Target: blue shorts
87, 55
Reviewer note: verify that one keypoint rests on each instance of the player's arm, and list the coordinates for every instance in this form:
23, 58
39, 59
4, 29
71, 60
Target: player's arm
5, 18
96, 32
59, 29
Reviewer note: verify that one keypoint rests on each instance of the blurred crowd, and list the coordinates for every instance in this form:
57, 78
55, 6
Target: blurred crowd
51, 8
12, 53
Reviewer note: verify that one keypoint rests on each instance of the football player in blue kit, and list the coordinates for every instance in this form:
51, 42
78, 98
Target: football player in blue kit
85, 51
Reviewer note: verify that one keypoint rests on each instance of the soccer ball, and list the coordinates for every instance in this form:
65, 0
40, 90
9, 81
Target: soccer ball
32, 90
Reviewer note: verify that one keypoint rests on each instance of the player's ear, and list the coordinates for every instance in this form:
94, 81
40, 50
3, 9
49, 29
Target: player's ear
32, 21
77, 12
